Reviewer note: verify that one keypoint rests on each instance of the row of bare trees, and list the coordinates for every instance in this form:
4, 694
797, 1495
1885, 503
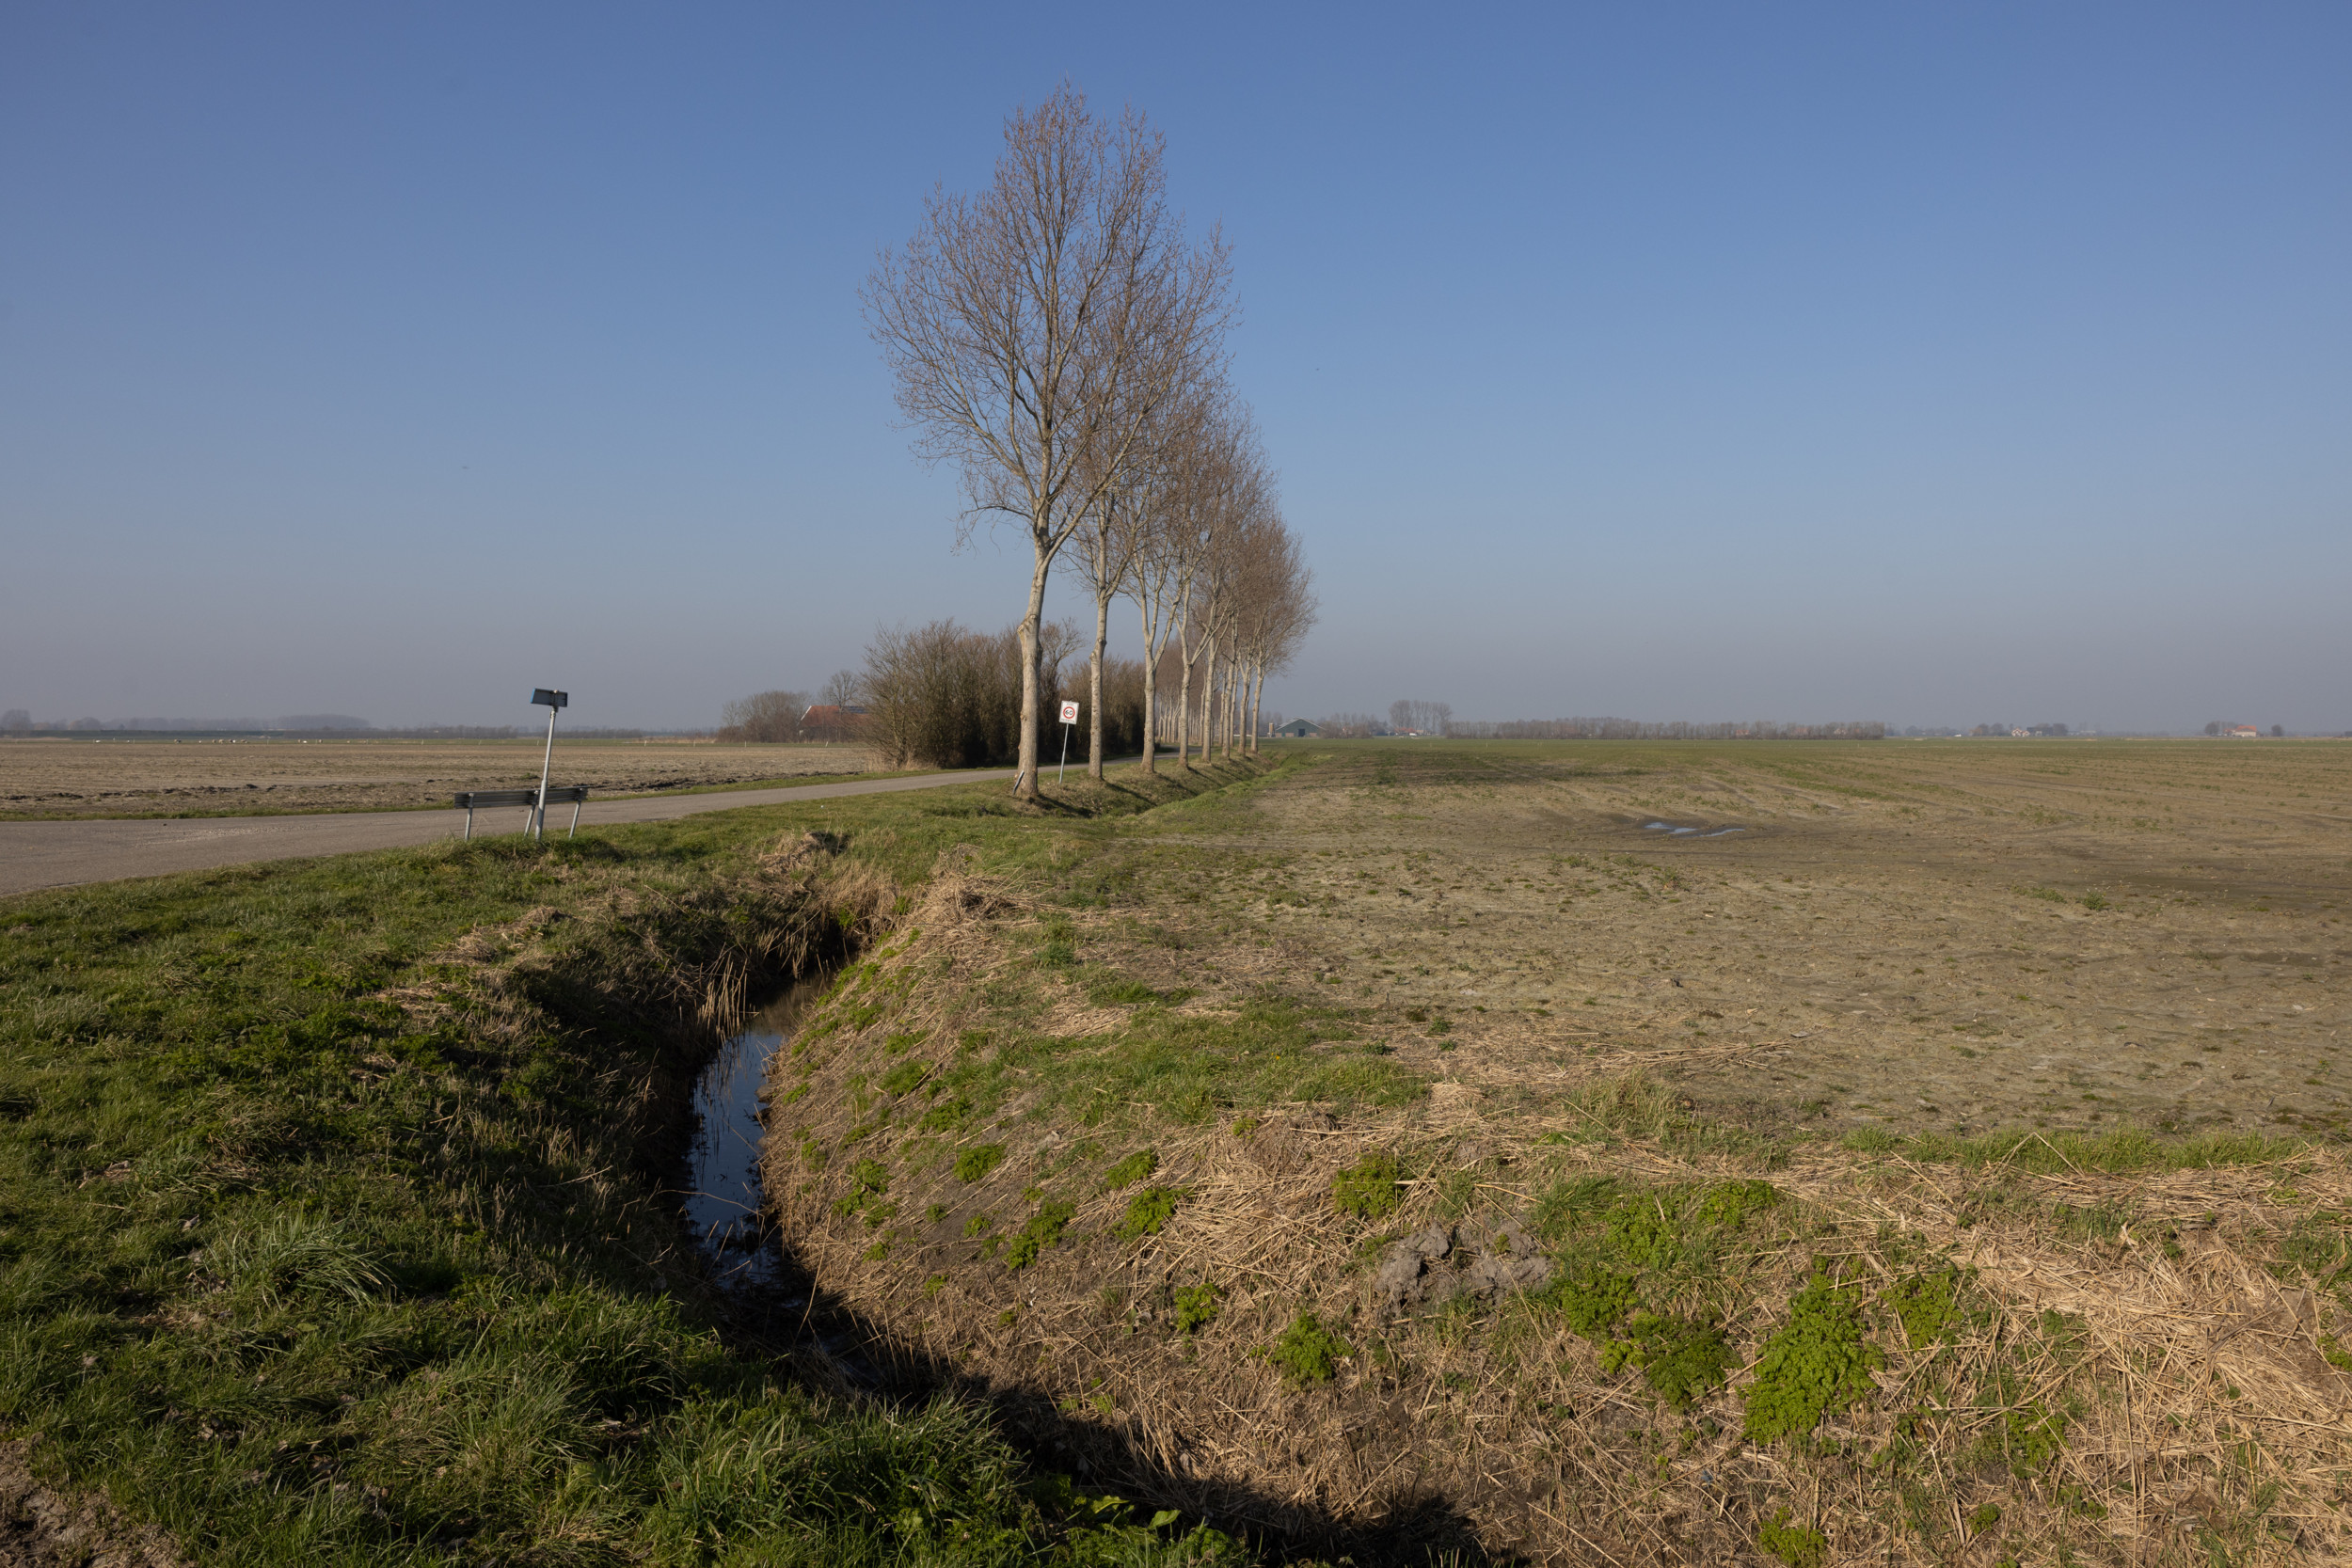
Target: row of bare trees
1060, 338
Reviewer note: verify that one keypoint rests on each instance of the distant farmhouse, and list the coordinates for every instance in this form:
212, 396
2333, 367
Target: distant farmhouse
1300, 729
2246, 732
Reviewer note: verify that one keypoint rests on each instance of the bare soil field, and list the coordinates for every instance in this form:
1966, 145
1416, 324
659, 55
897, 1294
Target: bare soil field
81, 777
1765, 1153
1920, 936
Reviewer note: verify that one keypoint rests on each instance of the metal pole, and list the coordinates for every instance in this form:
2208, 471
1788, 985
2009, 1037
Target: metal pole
576, 800
1065, 754
539, 813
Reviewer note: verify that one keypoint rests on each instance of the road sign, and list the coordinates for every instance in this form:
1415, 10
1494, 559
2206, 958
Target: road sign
1070, 713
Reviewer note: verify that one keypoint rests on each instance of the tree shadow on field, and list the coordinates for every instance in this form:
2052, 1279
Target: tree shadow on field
832, 1348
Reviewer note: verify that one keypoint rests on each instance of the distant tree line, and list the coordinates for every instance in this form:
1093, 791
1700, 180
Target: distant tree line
300, 726
1352, 724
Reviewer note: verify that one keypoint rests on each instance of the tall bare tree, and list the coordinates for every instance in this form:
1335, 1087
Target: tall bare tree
1035, 328
1228, 486
1279, 608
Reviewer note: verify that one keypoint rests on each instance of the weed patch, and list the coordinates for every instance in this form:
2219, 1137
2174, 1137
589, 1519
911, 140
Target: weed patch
1368, 1189
1818, 1362
1043, 1231
1308, 1352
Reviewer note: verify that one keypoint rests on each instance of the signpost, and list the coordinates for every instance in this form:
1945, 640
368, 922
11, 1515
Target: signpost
551, 701
1069, 716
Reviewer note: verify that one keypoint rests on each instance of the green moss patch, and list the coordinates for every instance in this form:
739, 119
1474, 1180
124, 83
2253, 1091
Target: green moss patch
1798, 1546
1819, 1361
1134, 1169
1043, 1231
1369, 1189
1196, 1307
974, 1164
1683, 1359
1928, 1307
1308, 1352
1148, 1211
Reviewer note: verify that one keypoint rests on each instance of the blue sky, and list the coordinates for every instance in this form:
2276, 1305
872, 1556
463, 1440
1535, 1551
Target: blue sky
1931, 364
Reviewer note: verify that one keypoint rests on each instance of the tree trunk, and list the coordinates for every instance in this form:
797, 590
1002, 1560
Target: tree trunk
1094, 724
1208, 707
1229, 713
1032, 648
1257, 697
1184, 711
1150, 703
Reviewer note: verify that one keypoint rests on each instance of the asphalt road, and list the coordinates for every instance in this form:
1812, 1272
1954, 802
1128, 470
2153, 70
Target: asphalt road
37, 855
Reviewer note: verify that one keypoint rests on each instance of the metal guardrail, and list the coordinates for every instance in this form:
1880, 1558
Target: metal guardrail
470, 798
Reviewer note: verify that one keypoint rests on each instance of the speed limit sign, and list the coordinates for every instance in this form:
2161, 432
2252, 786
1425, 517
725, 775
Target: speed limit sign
1069, 716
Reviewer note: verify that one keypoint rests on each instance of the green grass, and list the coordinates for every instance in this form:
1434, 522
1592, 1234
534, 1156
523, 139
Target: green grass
2122, 1152
299, 1274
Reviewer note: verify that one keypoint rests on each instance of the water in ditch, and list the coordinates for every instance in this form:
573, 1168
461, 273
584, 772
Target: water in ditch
723, 1196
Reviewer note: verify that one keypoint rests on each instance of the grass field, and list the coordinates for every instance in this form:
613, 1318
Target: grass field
1398, 1149
1416, 1150
80, 776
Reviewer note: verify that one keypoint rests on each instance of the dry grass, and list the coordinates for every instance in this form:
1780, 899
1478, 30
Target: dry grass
2135, 1371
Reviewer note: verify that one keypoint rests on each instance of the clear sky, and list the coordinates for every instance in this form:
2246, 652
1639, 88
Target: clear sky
1928, 363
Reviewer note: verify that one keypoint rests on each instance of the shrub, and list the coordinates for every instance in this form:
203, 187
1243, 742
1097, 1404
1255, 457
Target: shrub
973, 1164
1368, 1189
1134, 1169
944, 696
1308, 1352
1819, 1361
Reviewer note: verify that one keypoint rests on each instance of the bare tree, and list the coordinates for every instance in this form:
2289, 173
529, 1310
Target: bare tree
768, 715
842, 689
1035, 328
1232, 489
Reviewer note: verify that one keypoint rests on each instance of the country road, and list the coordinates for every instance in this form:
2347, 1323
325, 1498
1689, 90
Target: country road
35, 855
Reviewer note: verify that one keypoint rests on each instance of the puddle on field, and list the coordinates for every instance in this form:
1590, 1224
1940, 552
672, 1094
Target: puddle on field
722, 1166
1680, 830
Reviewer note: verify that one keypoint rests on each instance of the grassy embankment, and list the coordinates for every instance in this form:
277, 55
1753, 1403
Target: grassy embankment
1125, 1120
1135, 1136
329, 1226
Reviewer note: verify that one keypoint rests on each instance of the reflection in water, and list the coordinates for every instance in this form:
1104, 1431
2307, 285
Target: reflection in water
722, 1166
1670, 827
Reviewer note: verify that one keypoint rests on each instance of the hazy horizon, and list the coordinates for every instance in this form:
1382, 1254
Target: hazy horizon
1811, 366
